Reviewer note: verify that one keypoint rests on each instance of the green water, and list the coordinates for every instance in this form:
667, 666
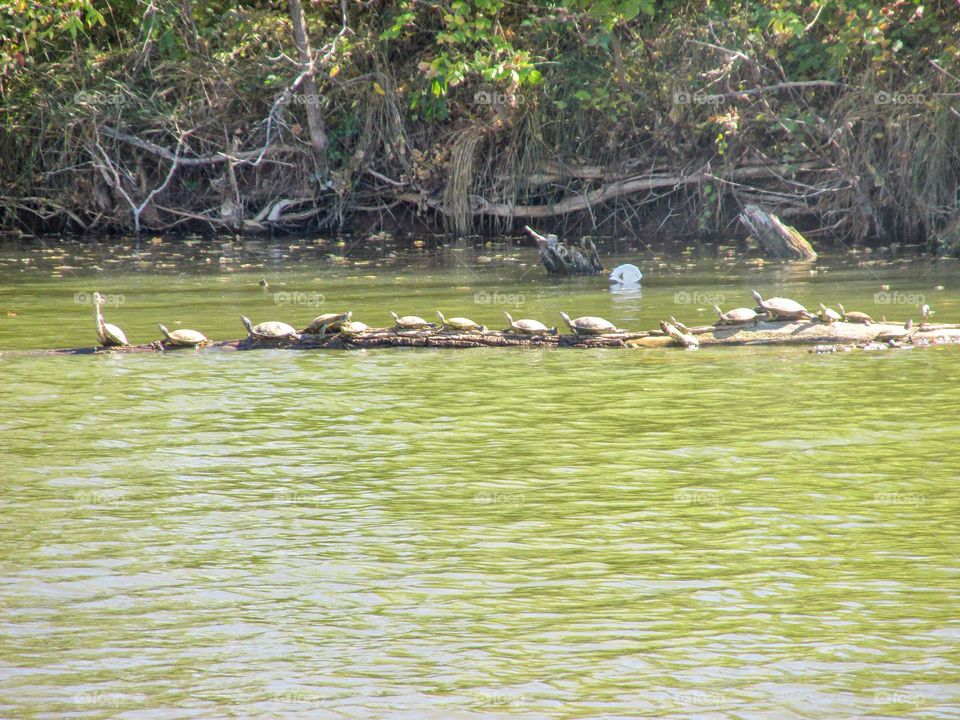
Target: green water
727, 533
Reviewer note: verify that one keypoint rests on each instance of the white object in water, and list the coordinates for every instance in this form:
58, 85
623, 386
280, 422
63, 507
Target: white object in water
626, 274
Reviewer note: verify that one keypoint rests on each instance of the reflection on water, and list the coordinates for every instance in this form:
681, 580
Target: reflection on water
543, 534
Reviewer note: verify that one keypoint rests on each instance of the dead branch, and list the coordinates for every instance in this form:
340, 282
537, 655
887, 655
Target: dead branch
648, 182
215, 159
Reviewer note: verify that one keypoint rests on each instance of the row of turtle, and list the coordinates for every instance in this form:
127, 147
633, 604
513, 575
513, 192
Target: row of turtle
110, 335
776, 308
343, 324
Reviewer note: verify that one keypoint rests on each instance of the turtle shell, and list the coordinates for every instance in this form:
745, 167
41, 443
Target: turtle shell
591, 325
274, 329
331, 320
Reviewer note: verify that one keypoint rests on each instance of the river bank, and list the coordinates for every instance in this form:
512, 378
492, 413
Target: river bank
618, 118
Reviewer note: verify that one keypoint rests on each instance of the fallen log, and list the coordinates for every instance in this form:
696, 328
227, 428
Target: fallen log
801, 332
644, 182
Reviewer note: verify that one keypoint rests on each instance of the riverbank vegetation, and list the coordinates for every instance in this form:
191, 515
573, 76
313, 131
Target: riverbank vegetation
471, 116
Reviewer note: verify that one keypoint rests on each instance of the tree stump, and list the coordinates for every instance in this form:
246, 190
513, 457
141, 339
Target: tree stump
779, 240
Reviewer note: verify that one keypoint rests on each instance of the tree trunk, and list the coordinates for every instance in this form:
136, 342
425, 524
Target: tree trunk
315, 123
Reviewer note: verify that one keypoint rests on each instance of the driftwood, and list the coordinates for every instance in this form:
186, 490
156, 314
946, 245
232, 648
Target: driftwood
638, 182
560, 257
824, 336
779, 240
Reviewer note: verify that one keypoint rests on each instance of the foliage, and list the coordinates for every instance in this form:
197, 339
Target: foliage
594, 80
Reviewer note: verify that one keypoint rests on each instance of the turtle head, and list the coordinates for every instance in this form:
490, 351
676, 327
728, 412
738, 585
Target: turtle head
566, 318
442, 318
246, 323
756, 296
718, 310
163, 329
396, 318
508, 316
347, 316
840, 308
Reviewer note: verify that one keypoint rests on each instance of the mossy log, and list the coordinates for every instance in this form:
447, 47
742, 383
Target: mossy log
802, 332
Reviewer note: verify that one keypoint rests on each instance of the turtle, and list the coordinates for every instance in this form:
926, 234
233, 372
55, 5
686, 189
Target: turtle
182, 338
896, 334
590, 325
410, 322
461, 324
681, 338
737, 316
828, 315
528, 327
327, 322
679, 325
353, 328
781, 308
854, 317
108, 335
270, 330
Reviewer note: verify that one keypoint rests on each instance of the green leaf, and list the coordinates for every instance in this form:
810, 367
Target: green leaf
630, 9
73, 26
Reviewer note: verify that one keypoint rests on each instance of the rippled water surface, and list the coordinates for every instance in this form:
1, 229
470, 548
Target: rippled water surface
727, 533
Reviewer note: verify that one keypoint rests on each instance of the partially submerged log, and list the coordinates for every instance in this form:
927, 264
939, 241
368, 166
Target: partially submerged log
779, 240
801, 332
560, 257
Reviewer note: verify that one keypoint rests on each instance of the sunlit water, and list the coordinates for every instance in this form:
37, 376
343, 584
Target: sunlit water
727, 533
